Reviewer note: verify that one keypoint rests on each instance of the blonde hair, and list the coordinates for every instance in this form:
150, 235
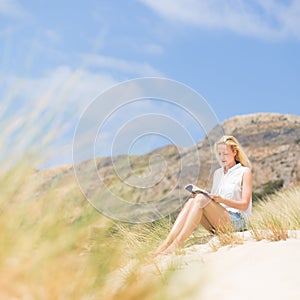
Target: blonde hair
240, 156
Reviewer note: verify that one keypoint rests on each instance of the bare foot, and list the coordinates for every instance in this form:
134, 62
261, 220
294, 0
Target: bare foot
160, 249
171, 249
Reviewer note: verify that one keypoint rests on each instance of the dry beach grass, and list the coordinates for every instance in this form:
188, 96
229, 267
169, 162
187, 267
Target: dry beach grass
55, 245
59, 247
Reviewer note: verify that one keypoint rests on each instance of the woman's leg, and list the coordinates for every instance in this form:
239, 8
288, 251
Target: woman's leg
206, 224
192, 221
177, 226
199, 200
217, 216
213, 216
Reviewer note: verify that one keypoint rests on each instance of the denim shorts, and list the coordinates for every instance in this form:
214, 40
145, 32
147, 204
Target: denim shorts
237, 220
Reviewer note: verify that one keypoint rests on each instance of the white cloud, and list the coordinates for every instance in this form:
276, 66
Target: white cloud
52, 36
55, 100
7, 31
153, 49
12, 8
48, 108
61, 85
262, 18
121, 65
36, 111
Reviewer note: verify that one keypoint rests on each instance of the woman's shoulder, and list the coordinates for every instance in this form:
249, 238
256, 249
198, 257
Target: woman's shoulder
240, 169
246, 169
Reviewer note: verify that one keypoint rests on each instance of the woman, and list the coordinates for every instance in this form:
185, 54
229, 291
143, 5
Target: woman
229, 204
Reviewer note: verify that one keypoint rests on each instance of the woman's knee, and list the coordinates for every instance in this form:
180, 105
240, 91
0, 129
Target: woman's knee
192, 202
201, 201
188, 205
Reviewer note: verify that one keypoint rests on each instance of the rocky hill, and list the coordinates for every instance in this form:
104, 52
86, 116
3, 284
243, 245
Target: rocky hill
272, 142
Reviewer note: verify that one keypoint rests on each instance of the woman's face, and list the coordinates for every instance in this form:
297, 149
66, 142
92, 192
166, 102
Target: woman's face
226, 155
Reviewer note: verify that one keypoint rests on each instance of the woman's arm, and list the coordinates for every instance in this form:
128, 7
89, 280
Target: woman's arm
246, 193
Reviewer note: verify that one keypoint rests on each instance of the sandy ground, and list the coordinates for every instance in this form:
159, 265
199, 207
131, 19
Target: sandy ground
252, 270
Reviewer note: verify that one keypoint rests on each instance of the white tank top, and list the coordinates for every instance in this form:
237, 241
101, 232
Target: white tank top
229, 186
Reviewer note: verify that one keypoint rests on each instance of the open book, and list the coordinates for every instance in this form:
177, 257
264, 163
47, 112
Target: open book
195, 190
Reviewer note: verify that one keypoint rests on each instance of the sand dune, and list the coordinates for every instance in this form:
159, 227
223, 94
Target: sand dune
251, 270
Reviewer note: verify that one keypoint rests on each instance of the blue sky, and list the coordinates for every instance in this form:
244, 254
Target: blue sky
57, 56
